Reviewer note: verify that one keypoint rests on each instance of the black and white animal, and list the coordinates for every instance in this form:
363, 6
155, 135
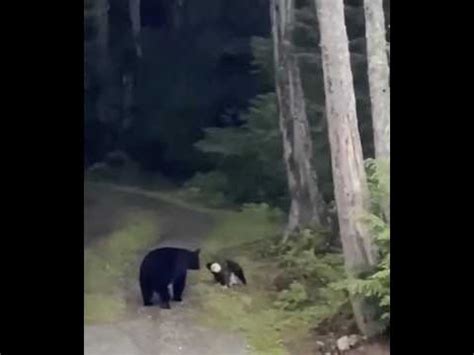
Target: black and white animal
164, 267
227, 273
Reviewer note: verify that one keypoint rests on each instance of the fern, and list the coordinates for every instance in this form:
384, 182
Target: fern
376, 285
378, 178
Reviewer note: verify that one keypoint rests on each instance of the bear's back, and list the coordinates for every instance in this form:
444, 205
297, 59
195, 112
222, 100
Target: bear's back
166, 260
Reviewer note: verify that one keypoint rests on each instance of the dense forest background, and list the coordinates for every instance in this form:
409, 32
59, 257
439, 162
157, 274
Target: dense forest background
273, 117
198, 99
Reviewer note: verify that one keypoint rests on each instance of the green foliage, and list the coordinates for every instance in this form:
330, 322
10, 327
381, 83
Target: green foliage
293, 298
308, 273
208, 188
250, 157
262, 49
378, 178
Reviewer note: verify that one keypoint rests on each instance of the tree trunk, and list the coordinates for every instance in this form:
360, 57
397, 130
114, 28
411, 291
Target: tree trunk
134, 8
127, 100
378, 76
307, 207
379, 81
103, 60
350, 184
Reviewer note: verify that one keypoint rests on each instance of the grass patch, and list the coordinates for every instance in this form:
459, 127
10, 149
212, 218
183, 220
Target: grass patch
247, 309
270, 319
109, 262
101, 308
238, 228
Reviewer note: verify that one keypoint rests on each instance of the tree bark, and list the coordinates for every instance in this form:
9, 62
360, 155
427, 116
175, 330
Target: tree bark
307, 206
350, 184
378, 76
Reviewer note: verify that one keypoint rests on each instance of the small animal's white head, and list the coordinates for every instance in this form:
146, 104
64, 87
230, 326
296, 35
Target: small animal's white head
215, 268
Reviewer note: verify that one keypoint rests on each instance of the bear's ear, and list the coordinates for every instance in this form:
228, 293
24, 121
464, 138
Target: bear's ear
208, 265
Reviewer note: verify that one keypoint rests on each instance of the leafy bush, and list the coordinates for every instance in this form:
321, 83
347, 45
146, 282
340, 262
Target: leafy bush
250, 156
208, 188
307, 273
293, 298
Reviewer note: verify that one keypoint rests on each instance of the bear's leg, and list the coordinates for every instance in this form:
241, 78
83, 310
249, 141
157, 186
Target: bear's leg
164, 293
147, 293
178, 287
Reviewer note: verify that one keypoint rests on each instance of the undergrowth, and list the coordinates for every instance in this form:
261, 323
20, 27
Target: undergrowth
287, 292
376, 285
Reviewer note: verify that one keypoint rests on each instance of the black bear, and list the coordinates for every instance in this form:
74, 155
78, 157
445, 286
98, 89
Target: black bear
228, 273
162, 267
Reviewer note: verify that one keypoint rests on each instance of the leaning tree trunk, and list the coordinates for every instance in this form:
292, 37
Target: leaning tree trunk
350, 184
307, 207
378, 75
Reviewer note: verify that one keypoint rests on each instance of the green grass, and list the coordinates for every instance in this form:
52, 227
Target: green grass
108, 263
252, 310
249, 310
234, 229
246, 309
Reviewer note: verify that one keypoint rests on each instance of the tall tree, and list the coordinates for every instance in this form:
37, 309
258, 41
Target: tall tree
379, 82
306, 202
378, 75
135, 19
350, 184
113, 49
103, 58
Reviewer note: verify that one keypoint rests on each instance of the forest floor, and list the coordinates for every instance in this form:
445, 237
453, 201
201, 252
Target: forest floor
123, 223
116, 322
